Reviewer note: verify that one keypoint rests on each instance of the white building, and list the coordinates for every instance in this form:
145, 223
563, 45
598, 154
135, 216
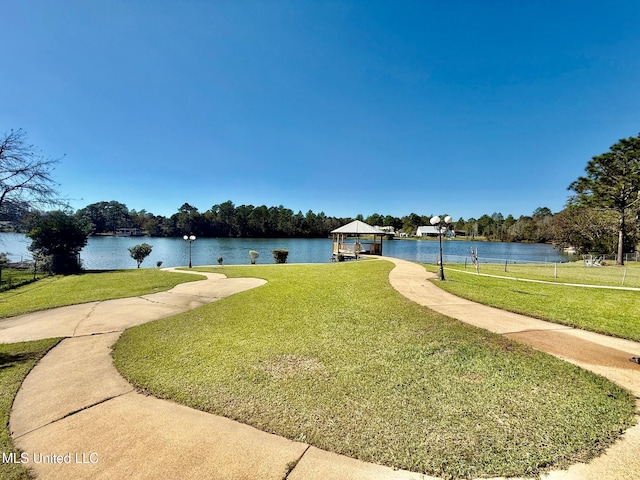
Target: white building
432, 231
388, 229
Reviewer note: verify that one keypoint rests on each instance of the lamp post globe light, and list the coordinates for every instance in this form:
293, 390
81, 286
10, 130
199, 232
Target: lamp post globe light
190, 239
441, 224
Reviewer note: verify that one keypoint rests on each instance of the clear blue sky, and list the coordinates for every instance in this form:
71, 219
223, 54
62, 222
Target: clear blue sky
346, 107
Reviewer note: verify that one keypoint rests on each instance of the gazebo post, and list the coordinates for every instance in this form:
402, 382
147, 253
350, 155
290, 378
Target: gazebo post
356, 228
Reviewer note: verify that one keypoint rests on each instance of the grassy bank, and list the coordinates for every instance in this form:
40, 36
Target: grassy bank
572, 272
61, 290
332, 355
612, 312
15, 277
16, 361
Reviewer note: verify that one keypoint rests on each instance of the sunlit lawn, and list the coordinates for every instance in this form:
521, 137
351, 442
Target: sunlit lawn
60, 290
612, 312
333, 356
571, 272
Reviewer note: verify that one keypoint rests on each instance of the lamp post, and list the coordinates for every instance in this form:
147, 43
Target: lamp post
190, 239
441, 223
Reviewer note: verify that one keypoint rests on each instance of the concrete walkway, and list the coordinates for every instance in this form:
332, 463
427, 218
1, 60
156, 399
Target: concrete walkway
606, 356
76, 417
77, 412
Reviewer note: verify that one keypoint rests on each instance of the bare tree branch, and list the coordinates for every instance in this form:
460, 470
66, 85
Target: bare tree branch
25, 175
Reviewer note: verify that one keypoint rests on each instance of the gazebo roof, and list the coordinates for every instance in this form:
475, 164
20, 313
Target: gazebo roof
358, 228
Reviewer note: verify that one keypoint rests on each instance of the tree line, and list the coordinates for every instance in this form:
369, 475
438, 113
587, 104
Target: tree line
587, 228
602, 215
229, 220
221, 220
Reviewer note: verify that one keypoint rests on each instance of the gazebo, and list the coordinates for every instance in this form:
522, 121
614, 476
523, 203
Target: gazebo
357, 238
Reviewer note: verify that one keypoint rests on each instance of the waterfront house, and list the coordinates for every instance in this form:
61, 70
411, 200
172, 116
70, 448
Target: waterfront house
432, 231
129, 232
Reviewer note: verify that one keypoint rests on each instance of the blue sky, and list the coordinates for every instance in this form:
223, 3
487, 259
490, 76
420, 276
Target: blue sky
346, 107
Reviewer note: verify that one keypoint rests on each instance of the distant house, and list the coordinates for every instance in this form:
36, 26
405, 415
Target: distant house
129, 232
389, 230
431, 231
7, 225
427, 231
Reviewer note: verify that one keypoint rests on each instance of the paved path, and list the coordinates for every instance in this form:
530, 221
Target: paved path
600, 354
74, 401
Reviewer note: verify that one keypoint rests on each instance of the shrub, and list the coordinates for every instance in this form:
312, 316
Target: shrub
220, 259
280, 255
62, 236
140, 252
253, 256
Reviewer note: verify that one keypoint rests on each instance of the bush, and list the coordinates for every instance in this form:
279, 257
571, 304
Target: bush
253, 256
62, 236
280, 255
140, 252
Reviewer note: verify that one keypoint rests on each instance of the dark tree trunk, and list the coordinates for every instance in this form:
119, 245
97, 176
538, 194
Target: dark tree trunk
621, 232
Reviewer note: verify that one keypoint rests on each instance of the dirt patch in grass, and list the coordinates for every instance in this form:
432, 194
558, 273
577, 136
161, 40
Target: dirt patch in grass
287, 366
592, 353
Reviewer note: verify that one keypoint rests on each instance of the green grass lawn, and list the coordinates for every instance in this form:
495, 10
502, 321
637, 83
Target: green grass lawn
332, 355
61, 290
16, 360
572, 272
13, 277
612, 312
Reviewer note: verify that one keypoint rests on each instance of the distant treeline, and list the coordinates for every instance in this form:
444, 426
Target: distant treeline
221, 220
586, 228
228, 220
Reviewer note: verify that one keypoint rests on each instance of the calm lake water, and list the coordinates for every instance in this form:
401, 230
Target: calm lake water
104, 253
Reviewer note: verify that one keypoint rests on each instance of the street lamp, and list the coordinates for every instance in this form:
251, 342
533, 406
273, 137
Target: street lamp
190, 239
442, 224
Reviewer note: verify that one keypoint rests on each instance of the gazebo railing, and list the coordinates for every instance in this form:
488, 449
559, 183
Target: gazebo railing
353, 248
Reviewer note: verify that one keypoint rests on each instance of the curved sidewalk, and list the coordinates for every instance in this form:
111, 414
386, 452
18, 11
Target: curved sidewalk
74, 401
76, 417
601, 354
119, 314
